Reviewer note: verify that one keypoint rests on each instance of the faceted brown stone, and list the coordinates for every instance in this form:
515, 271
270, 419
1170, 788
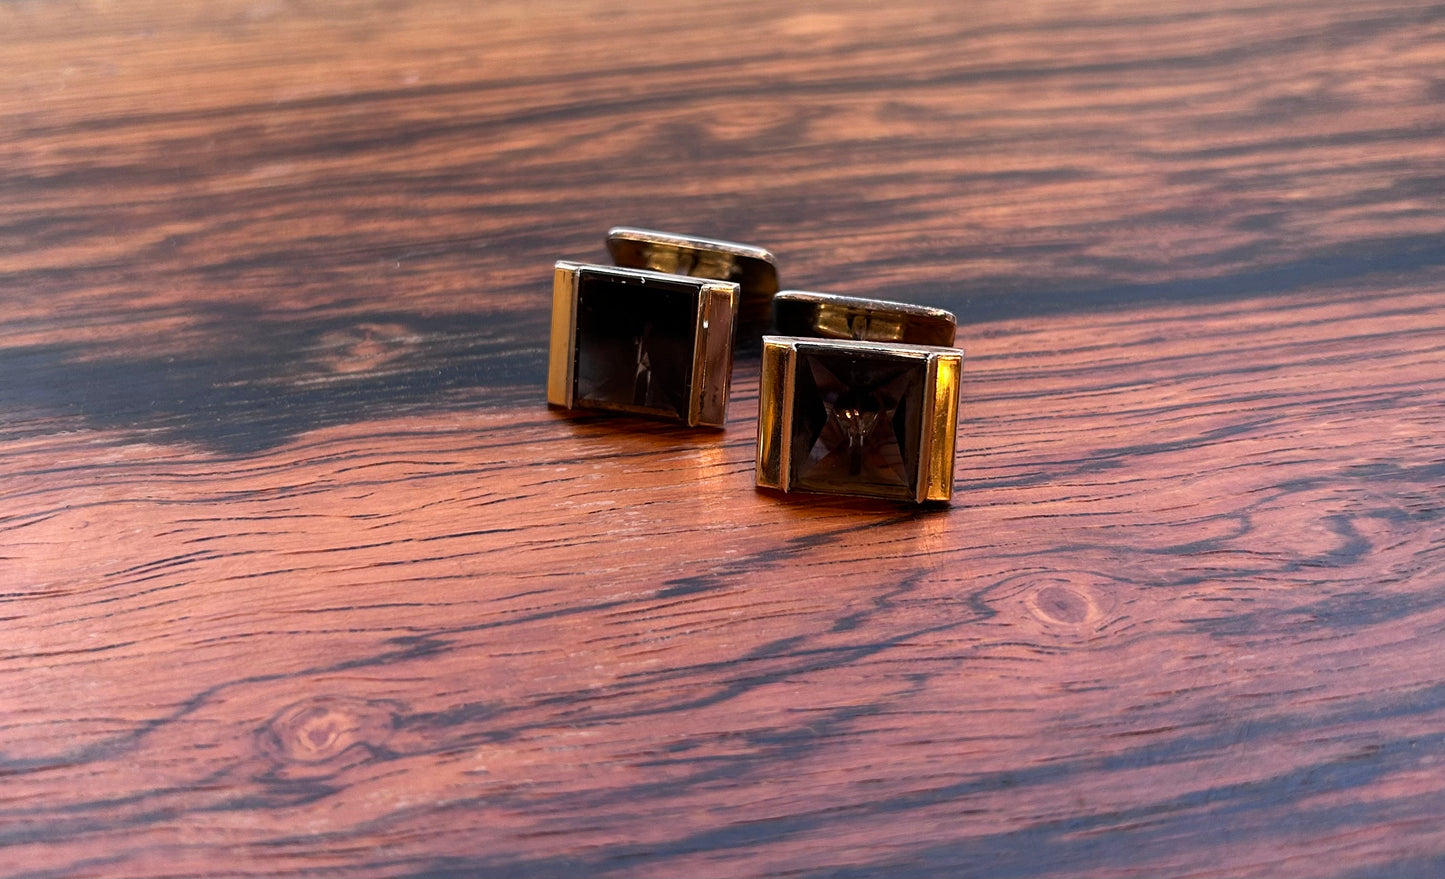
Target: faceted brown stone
635, 343
857, 422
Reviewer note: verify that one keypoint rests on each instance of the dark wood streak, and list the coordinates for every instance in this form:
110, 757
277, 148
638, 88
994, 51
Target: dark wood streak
298, 575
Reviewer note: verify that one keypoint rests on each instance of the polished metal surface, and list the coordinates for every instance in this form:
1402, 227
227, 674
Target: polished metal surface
829, 316
754, 269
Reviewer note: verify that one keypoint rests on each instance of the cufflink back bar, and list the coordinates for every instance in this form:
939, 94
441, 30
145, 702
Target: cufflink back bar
641, 342
858, 418
824, 315
752, 268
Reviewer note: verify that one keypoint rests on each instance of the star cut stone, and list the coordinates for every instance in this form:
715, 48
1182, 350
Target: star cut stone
857, 421
635, 344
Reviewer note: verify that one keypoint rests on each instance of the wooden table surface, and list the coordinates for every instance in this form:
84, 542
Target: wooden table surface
299, 574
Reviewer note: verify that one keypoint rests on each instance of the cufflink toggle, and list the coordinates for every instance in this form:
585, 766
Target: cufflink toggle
828, 316
753, 269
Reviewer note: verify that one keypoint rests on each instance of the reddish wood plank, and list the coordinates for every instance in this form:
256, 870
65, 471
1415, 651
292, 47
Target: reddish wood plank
299, 575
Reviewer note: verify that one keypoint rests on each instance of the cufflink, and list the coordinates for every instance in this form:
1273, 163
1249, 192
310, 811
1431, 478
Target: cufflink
824, 315
858, 418
753, 269
642, 342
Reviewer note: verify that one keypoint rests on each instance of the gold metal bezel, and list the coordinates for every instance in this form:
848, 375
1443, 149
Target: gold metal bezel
562, 350
775, 413
829, 316
712, 355
938, 437
940, 427
712, 372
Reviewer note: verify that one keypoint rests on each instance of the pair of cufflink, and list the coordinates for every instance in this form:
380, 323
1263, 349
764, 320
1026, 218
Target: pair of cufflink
858, 396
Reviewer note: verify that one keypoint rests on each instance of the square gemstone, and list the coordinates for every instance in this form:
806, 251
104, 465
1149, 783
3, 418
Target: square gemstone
857, 422
635, 344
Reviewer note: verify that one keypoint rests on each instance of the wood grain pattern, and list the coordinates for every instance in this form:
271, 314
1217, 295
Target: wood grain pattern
298, 575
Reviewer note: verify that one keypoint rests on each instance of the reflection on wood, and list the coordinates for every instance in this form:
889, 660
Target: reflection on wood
302, 576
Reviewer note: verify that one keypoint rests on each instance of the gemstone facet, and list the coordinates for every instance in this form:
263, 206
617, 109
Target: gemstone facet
857, 418
635, 344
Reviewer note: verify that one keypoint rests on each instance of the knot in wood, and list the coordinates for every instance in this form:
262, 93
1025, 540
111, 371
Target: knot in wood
321, 729
366, 347
1060, 604
1069, 599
